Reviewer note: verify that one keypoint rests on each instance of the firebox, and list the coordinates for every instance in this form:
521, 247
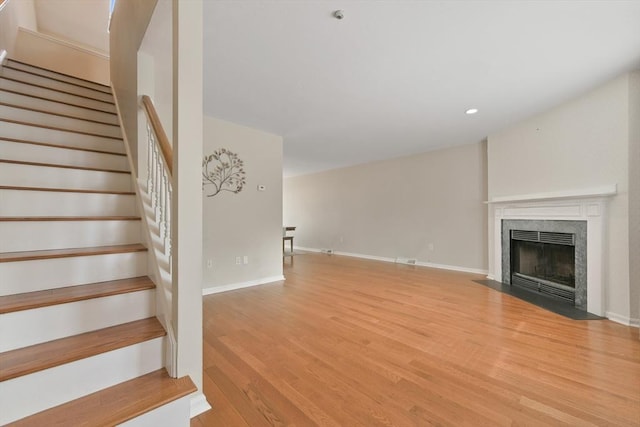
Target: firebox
546, 256
544, 262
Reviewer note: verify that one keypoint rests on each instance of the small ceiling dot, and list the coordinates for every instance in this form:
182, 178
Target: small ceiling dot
471, 111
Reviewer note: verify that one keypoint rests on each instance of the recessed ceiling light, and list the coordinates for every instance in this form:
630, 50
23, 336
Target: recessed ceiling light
471, 111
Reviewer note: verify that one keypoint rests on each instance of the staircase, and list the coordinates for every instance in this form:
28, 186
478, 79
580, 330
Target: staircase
80, 343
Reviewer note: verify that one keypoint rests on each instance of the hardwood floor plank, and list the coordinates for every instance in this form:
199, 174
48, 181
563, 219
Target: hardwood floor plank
346, 341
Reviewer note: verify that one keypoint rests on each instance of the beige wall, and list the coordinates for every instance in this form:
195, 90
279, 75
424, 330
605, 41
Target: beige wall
128, 25
249, 222
14, 15
397, 208
581, 144
634, 191
62, 56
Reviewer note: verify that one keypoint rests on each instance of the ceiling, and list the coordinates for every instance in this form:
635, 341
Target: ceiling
83, 22
394, 78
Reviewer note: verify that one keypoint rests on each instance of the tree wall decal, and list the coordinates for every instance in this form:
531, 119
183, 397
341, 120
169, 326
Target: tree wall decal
224, 171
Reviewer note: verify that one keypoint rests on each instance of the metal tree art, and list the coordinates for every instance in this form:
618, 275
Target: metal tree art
223, 170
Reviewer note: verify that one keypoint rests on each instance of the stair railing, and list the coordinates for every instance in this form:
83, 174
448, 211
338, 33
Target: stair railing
156, 192
3, 3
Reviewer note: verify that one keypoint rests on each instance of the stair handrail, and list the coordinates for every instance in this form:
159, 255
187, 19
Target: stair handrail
3, 3
158, 215
156, 125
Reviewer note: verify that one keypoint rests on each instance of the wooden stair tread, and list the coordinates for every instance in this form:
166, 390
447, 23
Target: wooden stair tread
27, 360
57, 90
55, 100
64, 147
81, 132
66, 190
53, 113
66, 253
55, 165
104, 90
57, 72
69, 218
115, 405
31, 300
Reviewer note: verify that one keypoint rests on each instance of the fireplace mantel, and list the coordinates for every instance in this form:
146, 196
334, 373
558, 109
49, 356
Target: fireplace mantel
579, 205
601, 191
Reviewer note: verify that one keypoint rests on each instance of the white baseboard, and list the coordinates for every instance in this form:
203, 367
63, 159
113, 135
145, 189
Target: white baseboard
232, 287
198, 404
386, 259
625, 320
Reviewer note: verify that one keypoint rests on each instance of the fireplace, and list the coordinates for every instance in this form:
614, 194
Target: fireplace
544, 262
547, 257
582, 212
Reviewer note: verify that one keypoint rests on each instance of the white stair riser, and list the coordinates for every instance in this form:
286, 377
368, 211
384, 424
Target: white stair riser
73, 318
60, 137
47, 119
36, 392
57, 107
17, 236
174, 414
54, 84
37, 275
55, 95
52, 177
54, 203
57, 76
42, 154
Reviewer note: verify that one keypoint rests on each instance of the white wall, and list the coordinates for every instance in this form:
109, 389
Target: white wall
634, 191
397, 208
581, 144
14, 15
248, 223
128, 25
61, 55
157, 74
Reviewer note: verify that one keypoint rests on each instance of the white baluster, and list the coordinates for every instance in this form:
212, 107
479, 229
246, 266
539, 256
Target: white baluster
150, 143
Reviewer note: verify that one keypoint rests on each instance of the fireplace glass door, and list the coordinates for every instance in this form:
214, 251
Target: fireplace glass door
544, 262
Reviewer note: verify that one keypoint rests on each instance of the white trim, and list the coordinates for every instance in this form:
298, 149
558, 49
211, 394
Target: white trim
66, 43
232, 287
198, 404
3, 56
601, 191
393, 260
625, 320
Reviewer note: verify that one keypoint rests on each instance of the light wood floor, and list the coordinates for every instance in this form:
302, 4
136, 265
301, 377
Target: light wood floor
350, 342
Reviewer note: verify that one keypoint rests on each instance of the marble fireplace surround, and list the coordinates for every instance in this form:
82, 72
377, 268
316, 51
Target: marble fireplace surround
580, 205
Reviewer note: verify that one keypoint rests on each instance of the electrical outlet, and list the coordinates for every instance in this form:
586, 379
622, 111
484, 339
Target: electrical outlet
238, 260
209, 263
245, 260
